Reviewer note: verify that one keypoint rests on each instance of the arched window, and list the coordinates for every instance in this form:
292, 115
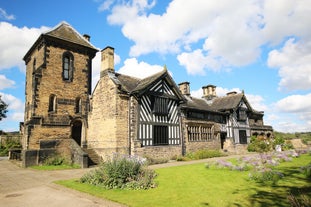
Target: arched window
67, 66
78, 105
52, 103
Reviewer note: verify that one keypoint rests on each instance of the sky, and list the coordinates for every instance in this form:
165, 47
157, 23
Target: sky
261, 47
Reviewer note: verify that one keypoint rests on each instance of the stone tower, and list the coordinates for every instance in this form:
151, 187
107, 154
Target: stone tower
58, 85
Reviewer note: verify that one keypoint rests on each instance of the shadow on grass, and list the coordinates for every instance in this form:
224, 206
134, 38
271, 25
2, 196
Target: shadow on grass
296, 185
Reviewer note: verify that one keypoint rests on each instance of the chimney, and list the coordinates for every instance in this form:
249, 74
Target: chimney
184, 87
209, 92
231, 93
87, 37
107, 60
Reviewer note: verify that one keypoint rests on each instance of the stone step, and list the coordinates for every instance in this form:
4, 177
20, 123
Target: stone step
94, 159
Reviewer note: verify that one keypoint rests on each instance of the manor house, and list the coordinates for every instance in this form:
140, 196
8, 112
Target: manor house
151, 117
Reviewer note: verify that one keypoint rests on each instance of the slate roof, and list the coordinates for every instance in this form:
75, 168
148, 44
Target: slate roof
138, 86
197, 103
227, 102
65, 31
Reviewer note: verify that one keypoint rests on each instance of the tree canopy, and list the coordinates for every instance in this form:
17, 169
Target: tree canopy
3, 109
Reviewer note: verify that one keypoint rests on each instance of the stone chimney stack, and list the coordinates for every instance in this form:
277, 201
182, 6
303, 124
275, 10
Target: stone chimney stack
107, 60
184, 87
87, 37
209, 92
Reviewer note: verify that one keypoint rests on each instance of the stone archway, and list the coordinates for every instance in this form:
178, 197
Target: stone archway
76, 131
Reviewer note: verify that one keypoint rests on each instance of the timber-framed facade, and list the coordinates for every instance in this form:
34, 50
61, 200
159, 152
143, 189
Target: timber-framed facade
152, 117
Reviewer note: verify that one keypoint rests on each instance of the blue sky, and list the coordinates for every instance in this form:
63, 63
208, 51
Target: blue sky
260, 46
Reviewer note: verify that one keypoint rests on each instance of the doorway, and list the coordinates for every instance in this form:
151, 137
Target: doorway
76, 131
222, 139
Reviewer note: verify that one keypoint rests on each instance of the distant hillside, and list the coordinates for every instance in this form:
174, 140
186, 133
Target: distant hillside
304, 136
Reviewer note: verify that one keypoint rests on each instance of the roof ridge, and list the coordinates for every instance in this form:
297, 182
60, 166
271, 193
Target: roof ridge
73, 29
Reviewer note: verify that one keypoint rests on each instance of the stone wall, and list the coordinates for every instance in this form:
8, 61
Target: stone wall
108, 130
159, 152
195, 146
232, 148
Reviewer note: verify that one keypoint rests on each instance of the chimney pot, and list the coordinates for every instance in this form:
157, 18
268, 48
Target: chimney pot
209, 92
184, 87
87, 37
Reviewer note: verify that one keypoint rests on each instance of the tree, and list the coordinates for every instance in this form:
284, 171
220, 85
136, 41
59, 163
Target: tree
3, 109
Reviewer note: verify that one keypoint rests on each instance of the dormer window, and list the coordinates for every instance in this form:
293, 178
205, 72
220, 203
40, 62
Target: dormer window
67, 66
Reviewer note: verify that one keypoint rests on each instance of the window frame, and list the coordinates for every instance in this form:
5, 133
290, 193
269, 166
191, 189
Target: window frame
159, 106
78, 105
68, 66
160, 135
52, 103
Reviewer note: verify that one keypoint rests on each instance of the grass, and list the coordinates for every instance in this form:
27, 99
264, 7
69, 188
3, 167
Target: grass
195, 185
55, 167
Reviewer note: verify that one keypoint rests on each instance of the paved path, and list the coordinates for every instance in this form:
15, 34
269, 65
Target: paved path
20, 187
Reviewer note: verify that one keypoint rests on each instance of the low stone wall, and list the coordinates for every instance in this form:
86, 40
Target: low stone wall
232, 148
195, 146
159, 152
67, 148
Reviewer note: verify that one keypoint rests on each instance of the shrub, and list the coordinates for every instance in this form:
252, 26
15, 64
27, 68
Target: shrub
121, 172
55, 160
260, 144
10, 143
265, 175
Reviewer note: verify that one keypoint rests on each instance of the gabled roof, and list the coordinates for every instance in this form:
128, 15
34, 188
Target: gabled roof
227, 102
231, 102
65, 32
137, 87
197, 103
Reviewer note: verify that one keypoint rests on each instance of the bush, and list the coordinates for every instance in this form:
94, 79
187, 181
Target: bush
55, 160
10, 143
265, 175
121, 172
260, 144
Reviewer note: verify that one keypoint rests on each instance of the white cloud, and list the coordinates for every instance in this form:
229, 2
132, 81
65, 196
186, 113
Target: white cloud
13, 102
14, 44
139, 69
5, 15
294, 63
257, 102
294, 113
5, 83
295, 104
15, 110
279, 14
220, 34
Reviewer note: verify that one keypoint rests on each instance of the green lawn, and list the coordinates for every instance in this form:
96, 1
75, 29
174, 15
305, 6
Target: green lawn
195, 185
